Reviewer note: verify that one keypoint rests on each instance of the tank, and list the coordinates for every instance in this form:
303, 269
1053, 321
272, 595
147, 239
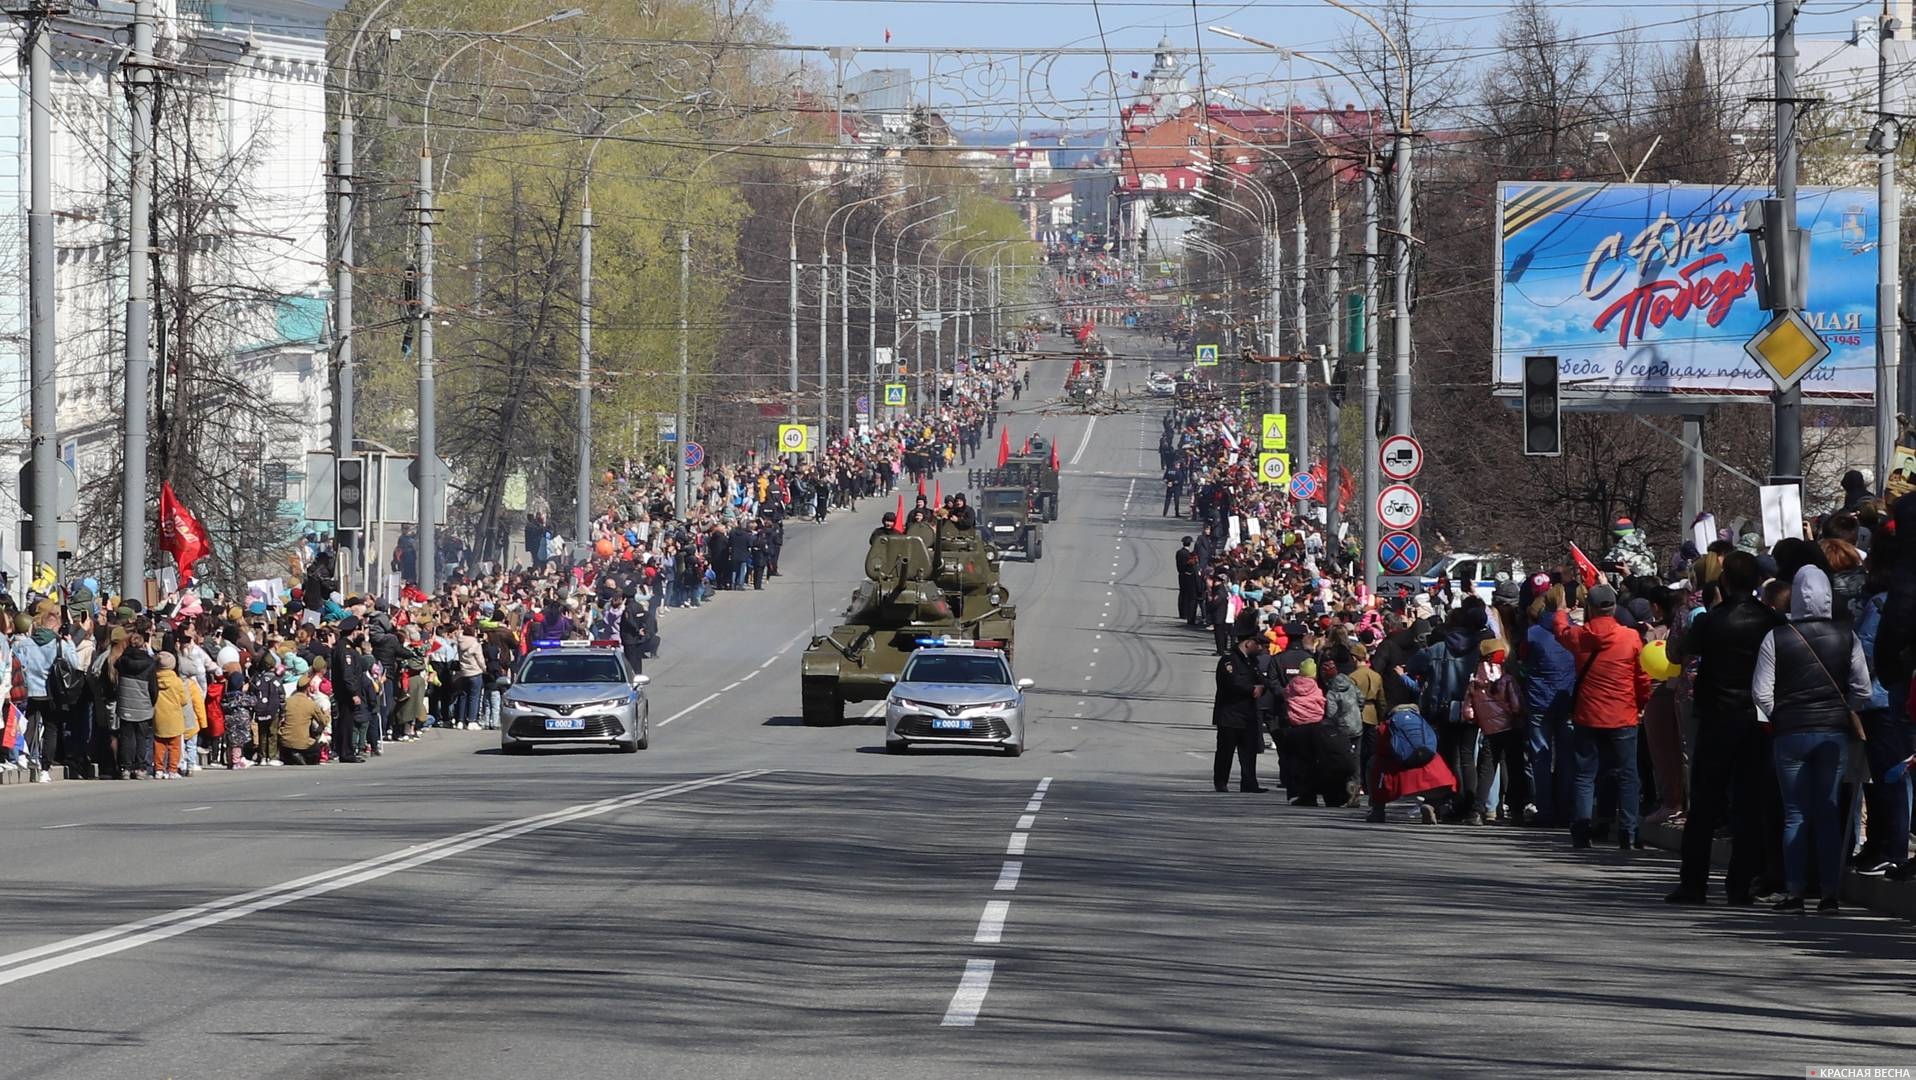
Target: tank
918, 584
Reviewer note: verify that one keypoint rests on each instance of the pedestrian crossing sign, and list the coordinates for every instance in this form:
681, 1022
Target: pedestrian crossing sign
1274, 468
1207, 356
895, 394
1276, 430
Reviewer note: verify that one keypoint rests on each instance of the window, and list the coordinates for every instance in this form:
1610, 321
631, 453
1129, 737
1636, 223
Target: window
589, 668
1190, 140
975, 670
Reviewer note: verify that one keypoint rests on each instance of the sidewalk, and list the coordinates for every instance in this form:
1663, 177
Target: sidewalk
1896, 898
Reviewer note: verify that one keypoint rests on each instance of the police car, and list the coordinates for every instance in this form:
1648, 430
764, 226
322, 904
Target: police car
575, 693
956, 692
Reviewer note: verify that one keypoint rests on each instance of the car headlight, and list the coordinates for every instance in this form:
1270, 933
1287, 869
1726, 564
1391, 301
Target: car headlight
608, 703
907, 703
519, 703
1000, 706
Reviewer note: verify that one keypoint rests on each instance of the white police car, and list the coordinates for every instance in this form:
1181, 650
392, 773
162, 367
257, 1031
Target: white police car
575, 694
956, 692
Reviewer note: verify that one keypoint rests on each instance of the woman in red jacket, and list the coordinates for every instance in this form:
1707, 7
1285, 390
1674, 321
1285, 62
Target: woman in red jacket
1611, 692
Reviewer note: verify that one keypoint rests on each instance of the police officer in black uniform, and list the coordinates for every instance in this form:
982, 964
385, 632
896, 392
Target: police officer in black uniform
1234, 711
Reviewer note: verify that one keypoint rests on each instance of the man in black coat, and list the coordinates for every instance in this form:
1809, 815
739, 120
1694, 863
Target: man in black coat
634, 637
345, 668
1187, 567
1234, 711
1732, 778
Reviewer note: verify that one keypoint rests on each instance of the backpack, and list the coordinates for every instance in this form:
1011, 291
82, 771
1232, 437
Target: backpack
1444, 688
66, 684
1413, 742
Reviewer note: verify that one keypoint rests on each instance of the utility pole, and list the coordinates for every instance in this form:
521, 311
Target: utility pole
824, 335
1884, 139
1400, 285
844, 332
42, 395
791, 334
684, 421
428, 420
1786, 447
582, 512
1301, 423
139, 307
1274, 274
1372, 481
871, 330
1333, 389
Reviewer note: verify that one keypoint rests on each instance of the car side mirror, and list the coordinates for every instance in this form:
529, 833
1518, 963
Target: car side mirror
1026, 684
888, 679
640, 680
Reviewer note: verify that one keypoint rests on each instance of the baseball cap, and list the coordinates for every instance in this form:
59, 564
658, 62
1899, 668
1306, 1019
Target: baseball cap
1603, 596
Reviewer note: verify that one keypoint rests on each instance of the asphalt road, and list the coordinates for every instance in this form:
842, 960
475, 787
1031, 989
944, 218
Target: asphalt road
753, 898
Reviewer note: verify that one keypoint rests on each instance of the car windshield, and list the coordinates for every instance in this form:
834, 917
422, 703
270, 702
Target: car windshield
985, 670
1003, 500
576, 668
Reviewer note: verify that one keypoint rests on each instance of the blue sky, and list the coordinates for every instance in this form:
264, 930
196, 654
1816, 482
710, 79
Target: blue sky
1133, 27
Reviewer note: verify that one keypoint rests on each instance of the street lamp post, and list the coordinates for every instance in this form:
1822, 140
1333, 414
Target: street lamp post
871, 300
429, 480
918, 297
792, 263
938, 328
824, 304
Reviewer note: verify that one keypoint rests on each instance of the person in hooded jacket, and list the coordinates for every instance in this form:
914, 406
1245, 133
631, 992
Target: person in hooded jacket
1494, 705
1303, 722
1441, 674
136, 690
1810, 681
1612, 690
1549, 692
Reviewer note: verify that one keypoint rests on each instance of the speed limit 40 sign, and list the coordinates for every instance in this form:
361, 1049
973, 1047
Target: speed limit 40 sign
793, 439
1274, 468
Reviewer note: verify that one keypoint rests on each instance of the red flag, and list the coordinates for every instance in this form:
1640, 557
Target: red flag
1054, 457
1004, 446
888, 35
1586, 569
898, 519
181, 534
938, 493
921, 487
1027, 448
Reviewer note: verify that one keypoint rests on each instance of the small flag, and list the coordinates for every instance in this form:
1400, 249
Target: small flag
1054, 457
898, 519
921, 487
1004, 446
1586, 569
938, 493
888, 35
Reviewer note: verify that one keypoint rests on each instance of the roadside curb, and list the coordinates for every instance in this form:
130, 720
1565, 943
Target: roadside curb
1877, 894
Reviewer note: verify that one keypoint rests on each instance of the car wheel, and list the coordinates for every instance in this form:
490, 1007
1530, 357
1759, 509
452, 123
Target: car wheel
644, 741
896, 746
1037, 546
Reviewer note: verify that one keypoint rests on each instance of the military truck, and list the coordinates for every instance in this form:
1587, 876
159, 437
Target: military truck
1036, 471
920, 584
1010, 513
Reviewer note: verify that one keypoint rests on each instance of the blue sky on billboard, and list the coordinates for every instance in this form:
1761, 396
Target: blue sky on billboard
1645, 290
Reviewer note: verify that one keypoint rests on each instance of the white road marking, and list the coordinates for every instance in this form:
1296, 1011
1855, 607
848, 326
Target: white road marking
1045, 784
963, 1011
299, 794
991, 926
689, 708
195, 809
1034, 805
772, 660
1084, 442
750, 675
1017, 845
733, 685
877, 709
1026, 822
41, 959
68, 825
1008, 876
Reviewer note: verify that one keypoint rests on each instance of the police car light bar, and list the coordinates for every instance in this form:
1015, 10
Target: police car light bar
960, 643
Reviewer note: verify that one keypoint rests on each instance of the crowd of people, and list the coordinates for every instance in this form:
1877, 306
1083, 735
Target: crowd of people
1762, 695
110, 688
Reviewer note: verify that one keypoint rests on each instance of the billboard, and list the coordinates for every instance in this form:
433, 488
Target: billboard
1645, 291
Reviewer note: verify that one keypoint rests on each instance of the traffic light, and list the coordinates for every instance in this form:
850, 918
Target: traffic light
349, 494
1542, 408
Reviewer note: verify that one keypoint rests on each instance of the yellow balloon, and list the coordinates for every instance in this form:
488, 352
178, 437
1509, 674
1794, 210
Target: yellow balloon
1656, 663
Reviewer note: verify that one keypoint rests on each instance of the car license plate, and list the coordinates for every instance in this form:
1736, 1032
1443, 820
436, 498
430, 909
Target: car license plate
951, 725
577, 723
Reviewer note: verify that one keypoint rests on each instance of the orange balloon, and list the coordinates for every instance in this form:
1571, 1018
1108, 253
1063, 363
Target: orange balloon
604, 548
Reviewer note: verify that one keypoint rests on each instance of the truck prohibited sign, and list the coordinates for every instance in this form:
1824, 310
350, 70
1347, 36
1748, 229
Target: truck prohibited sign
1400, 457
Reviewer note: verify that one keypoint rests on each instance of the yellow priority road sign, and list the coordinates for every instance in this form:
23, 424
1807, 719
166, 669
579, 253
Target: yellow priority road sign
1787, 349
793, 439
1274, 468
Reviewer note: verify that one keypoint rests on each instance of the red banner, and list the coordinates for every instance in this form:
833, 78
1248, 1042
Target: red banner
181, 534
